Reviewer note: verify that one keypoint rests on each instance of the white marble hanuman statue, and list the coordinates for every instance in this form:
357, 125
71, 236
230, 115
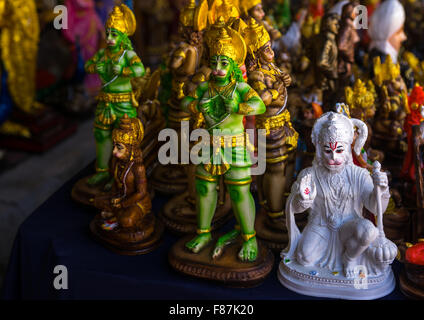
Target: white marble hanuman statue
335, 191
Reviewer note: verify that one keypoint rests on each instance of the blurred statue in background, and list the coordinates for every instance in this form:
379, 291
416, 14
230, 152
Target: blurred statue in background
116, 66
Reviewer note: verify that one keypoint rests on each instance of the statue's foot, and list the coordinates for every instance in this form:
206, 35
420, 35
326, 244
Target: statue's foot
249, 250
199, 242
223, 241
349, 266
98, 178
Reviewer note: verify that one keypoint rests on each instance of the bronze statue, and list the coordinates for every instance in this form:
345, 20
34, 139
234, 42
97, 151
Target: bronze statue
126, 223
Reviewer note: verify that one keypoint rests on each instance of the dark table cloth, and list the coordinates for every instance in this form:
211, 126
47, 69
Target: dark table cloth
57, 233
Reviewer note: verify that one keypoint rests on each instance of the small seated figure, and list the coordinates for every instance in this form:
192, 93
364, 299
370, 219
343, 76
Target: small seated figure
126, 220
337, 242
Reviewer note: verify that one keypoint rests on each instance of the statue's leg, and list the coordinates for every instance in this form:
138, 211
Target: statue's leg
238, 184
104, 148
206, 202
356, 236
312, 245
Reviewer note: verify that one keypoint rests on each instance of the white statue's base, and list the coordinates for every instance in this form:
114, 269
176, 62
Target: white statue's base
320, 282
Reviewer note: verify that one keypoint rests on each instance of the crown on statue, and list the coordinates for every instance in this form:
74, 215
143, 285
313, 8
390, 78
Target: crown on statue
385, 72
361, 96
246, 5
122, 19
255, 36
130, 131
224, 41
228, 9
193, 16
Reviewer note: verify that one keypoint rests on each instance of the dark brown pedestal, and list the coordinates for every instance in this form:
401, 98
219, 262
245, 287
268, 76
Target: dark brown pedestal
130, 244
228, 269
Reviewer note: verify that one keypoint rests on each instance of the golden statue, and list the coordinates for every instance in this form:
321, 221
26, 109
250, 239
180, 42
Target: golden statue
19, 35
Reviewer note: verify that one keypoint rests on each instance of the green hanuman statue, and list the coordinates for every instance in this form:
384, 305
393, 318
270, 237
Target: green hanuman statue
224, 101
116, 66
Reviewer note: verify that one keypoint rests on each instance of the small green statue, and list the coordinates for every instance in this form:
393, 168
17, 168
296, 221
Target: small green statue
224, 101
116, 66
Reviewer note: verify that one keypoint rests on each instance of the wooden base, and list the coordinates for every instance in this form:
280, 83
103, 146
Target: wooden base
180, 217
409, 289
228, 269
169, 179
273, 232
84, 194
129, 244
47, 129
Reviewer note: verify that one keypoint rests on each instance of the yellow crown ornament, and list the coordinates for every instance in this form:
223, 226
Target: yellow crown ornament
130, 131
246, 5
224, 41
195, 17
255, 36
228, 9
122, 19
385, 72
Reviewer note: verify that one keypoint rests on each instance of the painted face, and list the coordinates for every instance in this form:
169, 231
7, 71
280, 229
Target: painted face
257, 12
397, 38
221, 67
334, 155
120, 151
267, 54
112, 38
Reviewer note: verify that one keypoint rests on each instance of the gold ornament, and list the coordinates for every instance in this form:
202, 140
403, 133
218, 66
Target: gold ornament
224, 41
360, 97
130, 131
255, 36
187, 14
227, 9
19, 37
195, 17
385, 72
122, 19
246, 5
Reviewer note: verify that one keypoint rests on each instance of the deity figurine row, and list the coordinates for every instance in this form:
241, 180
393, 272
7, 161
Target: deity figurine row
326, 124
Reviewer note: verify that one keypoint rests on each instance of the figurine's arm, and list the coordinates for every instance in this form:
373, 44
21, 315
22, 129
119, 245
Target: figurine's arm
369, 193
251, 103
141, 187
135, 68
91, 64
303, 192
190, 103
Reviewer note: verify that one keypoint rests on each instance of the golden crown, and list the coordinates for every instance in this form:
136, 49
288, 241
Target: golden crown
385, 72
122, 19
130, 131
228, 9
224, 41
195, 17
246, 5
255, 36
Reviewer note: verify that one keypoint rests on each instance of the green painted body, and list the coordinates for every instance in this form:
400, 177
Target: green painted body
220, 113
109, 65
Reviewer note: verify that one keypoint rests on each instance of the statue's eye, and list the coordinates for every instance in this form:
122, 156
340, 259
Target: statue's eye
340, 151
224, 64
327, 151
